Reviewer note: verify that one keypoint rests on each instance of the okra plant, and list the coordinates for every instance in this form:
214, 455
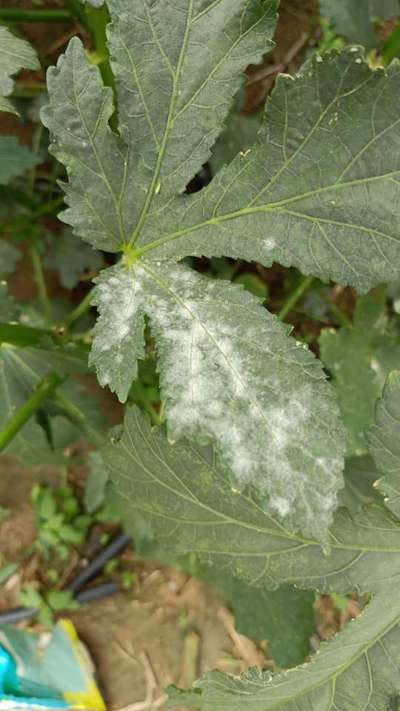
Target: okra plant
269, 466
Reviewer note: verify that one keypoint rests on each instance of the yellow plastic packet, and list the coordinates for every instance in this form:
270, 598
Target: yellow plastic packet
46, 671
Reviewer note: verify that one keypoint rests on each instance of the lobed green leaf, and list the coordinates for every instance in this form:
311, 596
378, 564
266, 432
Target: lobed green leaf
359, 670
15, 159
384, 442
354, 18
229, 374
15, 54
359, 359
177, 499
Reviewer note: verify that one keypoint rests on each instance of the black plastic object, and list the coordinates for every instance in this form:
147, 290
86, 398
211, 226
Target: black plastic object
97, 564
98, 592
19, 614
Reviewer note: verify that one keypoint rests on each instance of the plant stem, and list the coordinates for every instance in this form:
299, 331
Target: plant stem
294, 296
95, 21
16, 334
41, 283
44, 390
141, 398
341, 317
9, 14
80, 310
78, 418
46, 209
391, 48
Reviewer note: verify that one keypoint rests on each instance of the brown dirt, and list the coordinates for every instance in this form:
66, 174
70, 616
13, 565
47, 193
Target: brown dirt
169, 629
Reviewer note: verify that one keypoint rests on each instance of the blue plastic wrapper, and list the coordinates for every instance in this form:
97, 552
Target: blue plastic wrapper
47, 671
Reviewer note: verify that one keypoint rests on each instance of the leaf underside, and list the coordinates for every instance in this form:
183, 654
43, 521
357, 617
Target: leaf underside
177, 497
230, 375
172, 497
284, 617
359, 670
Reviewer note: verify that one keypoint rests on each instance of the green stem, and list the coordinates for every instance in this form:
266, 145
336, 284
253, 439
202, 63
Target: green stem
16, 334
304, 285
78, 419
141, 398
46, 209
77, 10
95, 21
41, 283
44, 390
9, 14
341, 317
391, 48
80, 310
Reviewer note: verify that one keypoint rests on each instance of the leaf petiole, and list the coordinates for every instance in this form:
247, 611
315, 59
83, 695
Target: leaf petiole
41, 283
303, 285
9, 14
44, 390
82, 308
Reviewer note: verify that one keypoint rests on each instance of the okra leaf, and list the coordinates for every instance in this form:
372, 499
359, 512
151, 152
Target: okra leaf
359, 359
354, 18
175, 499
360, 475
229, 374
358, 670
9, 309
15, 54
15, 159
318, 190
384, 442
21, 370
177, 67
285, 618
71, 262
9, 256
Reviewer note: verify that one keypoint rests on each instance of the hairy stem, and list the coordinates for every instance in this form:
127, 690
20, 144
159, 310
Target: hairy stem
44, 390
391, 48
304, 285
340, 316
41, 283
95, 21
82, 308
46, 209
9, 14
78, 418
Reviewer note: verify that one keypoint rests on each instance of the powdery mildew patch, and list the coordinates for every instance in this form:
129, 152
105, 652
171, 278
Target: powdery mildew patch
230, 374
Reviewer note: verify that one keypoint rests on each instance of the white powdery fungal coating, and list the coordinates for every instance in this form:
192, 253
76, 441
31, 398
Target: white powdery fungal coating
118, 336
231, 375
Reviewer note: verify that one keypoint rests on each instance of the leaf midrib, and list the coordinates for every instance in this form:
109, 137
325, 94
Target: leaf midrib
168, 127
194, 501
271, 207
213, 340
